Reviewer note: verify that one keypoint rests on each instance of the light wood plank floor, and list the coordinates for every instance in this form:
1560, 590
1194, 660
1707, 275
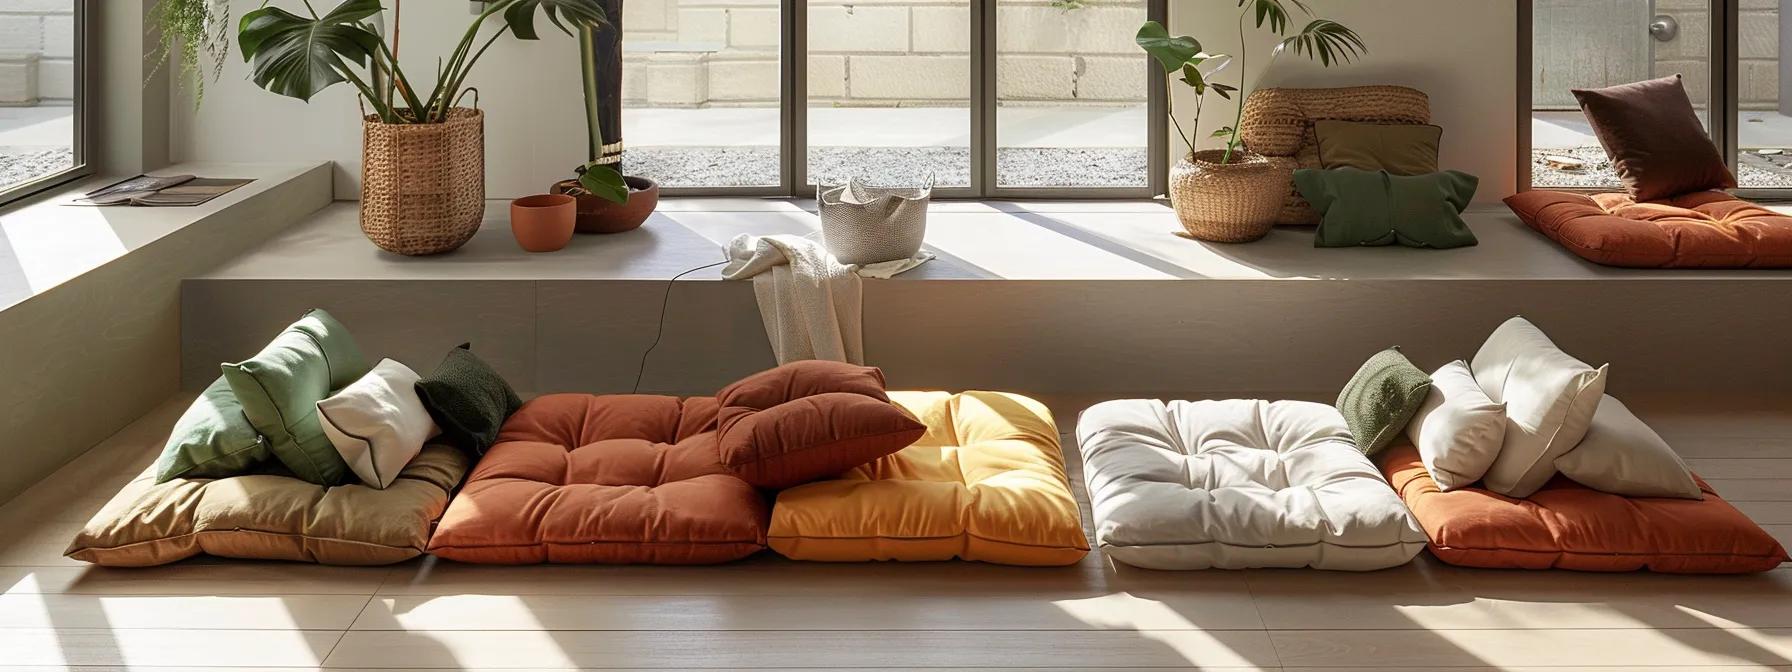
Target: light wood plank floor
767, 613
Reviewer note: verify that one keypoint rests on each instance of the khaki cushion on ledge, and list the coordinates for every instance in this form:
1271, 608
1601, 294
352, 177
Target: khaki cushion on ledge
272, 517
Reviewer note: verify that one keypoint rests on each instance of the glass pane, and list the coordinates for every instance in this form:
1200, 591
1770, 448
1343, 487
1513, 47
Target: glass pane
700, 91
1580, 44
889, 91
1071, 88
37, 91
1765, 128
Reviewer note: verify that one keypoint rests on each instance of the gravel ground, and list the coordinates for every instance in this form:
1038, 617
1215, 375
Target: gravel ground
20, 165
1019, 167
1757, 170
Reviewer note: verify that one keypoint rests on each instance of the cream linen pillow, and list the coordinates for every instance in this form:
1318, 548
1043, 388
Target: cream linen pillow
1458, 430
1550, 399
1623, 456
378, 423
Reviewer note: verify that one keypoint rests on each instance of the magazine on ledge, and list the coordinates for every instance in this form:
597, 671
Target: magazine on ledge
161, 191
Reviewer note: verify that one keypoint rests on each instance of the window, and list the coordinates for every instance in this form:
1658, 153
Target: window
984, 97
1728, 52
41, 129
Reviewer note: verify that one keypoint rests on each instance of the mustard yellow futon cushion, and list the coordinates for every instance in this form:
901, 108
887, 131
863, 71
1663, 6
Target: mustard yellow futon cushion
272, 517
987, 482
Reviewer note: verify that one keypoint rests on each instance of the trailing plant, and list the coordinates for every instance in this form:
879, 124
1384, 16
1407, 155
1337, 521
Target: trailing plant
298, 56
1323, 40
191, 32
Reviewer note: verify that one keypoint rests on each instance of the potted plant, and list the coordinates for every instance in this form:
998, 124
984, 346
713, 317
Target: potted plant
1231, 195
188, 33
608, 200
423, 154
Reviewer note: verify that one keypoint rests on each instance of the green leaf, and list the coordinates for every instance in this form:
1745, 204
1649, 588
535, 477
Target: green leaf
296, 56
1170, 52
1328, 42
1224, 91
1224, 132
1191, 75
521, 16
605, 182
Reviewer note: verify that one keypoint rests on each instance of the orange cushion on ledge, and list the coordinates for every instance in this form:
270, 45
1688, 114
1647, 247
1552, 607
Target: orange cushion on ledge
1707, 229
1569, 526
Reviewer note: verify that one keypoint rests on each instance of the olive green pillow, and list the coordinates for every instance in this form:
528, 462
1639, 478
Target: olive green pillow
1381, 399
1359, 208
279, 389
468, 400
212, 439
1400, 149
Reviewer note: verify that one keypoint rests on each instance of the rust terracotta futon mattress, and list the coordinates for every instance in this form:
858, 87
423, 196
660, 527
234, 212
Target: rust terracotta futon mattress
1706, 229
1569, 526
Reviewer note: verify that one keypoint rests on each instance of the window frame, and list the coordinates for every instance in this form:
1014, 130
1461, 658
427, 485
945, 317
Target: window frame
793, 104
83, 162
1724, 107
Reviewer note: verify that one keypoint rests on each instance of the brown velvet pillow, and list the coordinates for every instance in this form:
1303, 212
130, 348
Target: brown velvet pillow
1400, 149
809, 420
1654, 139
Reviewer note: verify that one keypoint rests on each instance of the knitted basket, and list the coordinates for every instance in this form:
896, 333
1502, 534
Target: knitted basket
866, 225
1278, 123
1234, 202
423, 185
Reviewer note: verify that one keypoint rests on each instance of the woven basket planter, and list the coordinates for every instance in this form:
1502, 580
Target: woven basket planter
423, 185
1233, 202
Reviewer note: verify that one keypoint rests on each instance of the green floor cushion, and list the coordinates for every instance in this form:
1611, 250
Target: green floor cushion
279, 389
213, 439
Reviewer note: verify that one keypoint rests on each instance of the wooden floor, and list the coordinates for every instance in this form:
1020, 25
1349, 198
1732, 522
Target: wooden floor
766, 613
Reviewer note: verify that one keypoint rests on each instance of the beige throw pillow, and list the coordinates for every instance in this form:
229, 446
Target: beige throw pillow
378, 423
1623, 456
1458, 430
1550, 399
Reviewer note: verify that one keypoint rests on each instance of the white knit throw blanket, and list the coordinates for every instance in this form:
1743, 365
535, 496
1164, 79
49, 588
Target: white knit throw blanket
812, 305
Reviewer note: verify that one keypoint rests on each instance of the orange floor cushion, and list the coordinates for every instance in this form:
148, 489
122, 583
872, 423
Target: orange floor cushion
987, 483
624, 479
1707, 229
1569, 526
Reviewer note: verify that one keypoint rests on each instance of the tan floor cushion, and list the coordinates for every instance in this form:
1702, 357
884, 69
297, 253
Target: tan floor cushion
270, 517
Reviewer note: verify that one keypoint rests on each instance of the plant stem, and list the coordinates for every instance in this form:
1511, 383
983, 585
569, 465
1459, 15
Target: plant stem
1170, 106
459, 56
1244, 51
396, 79
594, 122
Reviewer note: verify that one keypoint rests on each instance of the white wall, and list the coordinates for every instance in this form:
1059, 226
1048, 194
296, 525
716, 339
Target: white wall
1461, 52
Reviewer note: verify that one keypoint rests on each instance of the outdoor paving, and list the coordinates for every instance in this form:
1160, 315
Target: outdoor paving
35, 141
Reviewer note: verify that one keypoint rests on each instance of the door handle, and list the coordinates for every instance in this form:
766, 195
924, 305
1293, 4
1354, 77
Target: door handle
1665, 28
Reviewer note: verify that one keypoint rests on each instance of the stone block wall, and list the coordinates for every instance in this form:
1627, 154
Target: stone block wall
37, 52
696, 53
1759, 37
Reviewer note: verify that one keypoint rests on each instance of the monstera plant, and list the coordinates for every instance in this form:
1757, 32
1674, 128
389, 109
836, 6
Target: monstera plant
299, 55
422, 154
1322, 40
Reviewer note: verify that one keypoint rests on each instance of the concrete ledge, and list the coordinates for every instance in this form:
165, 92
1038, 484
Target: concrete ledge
92, 335
1091, 299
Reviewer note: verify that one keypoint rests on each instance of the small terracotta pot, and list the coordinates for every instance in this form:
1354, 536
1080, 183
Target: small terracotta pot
597, 215
543, 223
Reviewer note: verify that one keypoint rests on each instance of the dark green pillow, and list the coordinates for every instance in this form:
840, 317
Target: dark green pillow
1362, 208
280, 386
468, 400
212, 439
1381, 399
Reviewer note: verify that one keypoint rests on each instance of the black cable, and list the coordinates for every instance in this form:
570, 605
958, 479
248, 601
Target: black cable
660, 331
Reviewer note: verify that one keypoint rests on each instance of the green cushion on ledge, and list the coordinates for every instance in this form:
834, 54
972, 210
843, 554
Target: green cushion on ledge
1381, 399
1361, 208
279, 389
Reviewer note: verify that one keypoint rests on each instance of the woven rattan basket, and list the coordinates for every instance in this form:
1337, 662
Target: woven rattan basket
1234, 202
423, 185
